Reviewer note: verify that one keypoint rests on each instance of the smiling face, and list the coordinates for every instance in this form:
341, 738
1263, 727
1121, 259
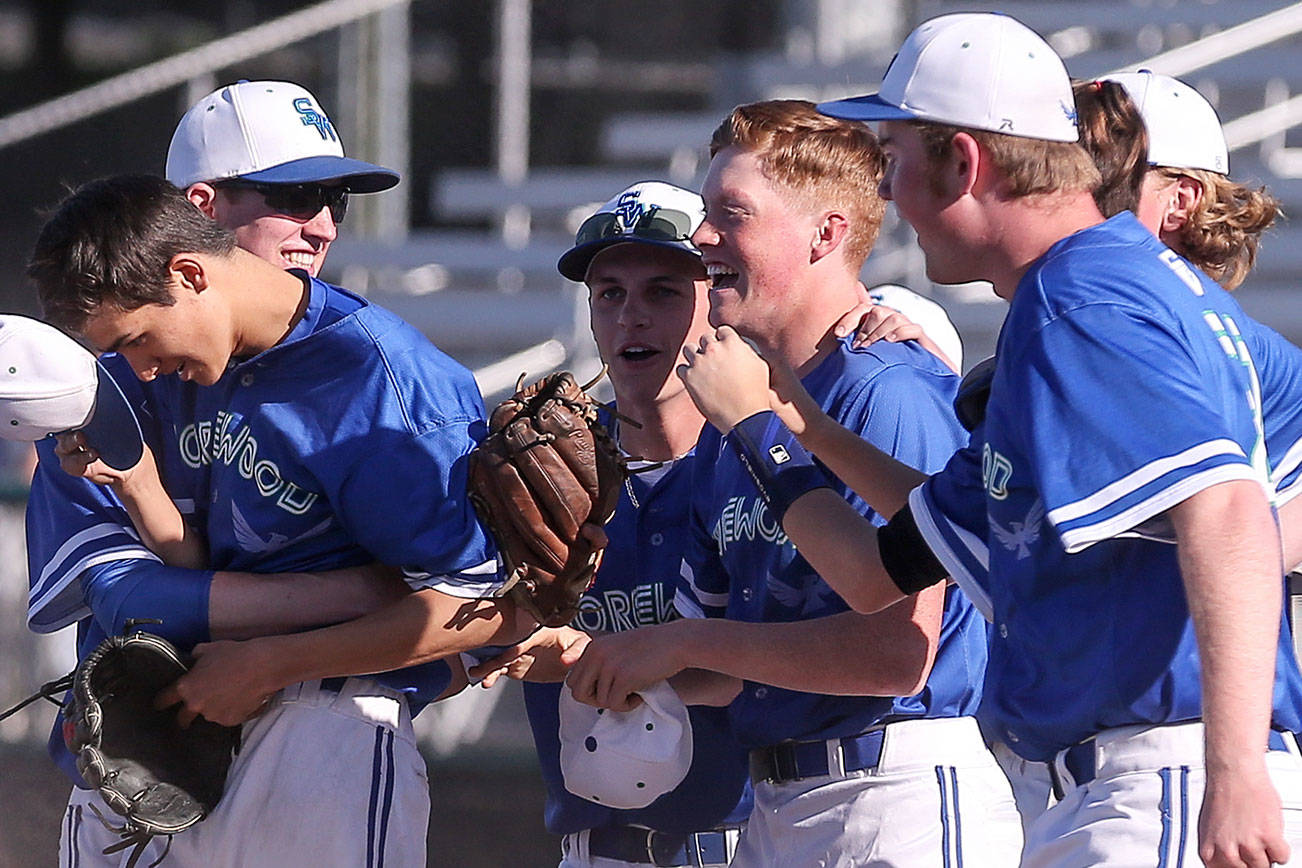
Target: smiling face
755, 242
646, 302
191, 338
283, 240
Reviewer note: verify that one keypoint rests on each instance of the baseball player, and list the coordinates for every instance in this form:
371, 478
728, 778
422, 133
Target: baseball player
1164, 184
263, 159
1133, 564
86, 559
1179, 188
233, 399
648, 296
837, 763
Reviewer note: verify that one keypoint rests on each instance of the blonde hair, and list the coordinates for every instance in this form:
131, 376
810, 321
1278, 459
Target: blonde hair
1222, 233
1030, 166
825, 162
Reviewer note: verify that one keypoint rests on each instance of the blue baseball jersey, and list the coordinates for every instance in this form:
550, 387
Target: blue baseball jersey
958, 534
1279, 367
635, 588
1125, 384
741, 565
345, 443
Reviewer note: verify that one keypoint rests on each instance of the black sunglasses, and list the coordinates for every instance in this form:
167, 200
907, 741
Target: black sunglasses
653, 224
301, 201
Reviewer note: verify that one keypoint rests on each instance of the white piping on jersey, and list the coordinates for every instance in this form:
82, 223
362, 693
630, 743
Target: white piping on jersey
1292, 458
102, 556
925, 520
90, 534
456, 584
705, 598
1137, 479
1284, 495
1080, 538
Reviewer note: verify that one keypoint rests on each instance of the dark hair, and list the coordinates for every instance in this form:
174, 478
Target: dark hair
1113, 132
111, 242
824, 161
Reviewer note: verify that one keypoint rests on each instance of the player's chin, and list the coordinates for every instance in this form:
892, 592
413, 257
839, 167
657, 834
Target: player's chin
643, 379
202, 376
723, 306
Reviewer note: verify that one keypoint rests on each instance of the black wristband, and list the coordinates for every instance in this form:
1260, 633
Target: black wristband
906, 556
782, 469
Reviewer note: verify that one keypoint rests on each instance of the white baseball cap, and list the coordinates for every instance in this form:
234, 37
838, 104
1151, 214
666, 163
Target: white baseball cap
981, 70
927, 314
50, 384
649, 212
1183, 129
625, 759
271, 132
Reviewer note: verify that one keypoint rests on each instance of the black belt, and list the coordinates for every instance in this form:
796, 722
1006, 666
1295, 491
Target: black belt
1080, 762
647, 846
793, 760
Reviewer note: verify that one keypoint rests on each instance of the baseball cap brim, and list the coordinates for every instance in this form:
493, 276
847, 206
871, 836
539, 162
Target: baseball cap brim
357, 175
573, 265
864, 108
113, 429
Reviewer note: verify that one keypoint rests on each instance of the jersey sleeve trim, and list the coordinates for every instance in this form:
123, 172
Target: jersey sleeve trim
472, 583
50, 609
1104, 500
1080, 537
1285, 488
79, 539
52, 602
963, 554
1288, 492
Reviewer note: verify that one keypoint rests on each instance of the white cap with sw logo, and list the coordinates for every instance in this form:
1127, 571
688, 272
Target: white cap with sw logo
271, 132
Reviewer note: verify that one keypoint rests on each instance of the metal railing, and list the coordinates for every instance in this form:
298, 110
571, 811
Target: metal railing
379, 116
181, 68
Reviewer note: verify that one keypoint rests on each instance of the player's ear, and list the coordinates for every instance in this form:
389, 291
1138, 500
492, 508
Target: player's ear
204, 197
1184, 201
829, 234
187, 271
966, 163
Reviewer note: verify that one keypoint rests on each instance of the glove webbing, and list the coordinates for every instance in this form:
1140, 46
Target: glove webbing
130, 838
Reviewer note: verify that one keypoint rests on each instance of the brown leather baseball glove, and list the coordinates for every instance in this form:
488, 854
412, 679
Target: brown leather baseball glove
546, 469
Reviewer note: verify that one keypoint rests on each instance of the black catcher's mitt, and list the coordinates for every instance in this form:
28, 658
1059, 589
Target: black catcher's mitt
160, 778
547, 468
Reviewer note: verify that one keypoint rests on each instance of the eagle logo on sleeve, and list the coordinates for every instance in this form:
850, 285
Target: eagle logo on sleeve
1019, 536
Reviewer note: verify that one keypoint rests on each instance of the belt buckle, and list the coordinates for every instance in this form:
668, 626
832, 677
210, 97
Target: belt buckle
707, 848
664, 850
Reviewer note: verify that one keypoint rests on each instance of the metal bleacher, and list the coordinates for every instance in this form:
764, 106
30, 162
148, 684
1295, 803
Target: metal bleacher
490, 292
